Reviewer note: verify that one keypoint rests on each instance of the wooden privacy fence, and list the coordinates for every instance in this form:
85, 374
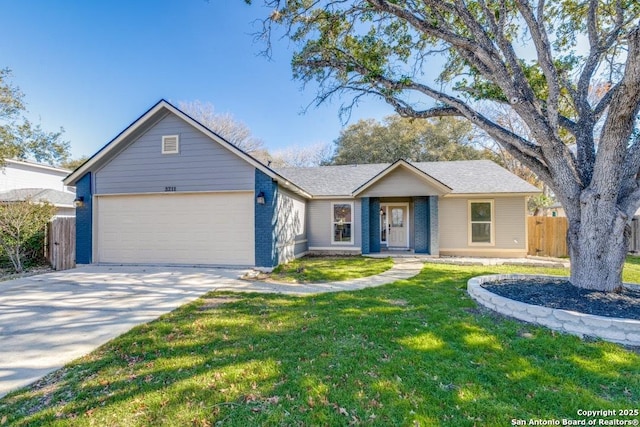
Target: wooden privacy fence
61, 243
548, 236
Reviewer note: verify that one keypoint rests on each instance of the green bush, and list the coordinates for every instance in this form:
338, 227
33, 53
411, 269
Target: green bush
22, 229
33, 252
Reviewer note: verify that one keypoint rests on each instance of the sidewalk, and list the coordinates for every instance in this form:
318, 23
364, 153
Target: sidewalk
403, 268
530, 260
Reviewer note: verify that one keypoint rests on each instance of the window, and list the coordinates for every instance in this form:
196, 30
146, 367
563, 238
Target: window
342, 223
397, 217
170, 144
481, 231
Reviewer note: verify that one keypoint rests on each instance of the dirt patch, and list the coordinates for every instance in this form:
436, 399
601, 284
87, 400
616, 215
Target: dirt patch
9, 274
563, 295
255, 275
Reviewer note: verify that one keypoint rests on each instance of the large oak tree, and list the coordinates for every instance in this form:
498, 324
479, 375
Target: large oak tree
369, 141
542, 58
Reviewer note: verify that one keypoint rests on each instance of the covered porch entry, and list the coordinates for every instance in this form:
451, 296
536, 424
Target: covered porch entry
400, 223
400, 210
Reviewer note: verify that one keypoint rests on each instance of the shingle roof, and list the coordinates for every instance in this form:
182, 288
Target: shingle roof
331, 180
55, 197
463, 177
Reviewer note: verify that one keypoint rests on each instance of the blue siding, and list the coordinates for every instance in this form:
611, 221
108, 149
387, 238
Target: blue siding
266, 251
84, 222
201, 164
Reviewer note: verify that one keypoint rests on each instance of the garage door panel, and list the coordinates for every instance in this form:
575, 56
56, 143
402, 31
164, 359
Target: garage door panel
176, 228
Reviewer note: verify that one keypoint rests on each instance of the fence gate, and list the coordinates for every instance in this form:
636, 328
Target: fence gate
547, 236
61, 243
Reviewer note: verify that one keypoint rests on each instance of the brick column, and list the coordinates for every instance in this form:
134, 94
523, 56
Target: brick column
266, 252
365, 225
374, 225
434, 236
421, 225
84, 221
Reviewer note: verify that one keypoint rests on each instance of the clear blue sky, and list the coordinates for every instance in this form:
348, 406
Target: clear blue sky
93, 67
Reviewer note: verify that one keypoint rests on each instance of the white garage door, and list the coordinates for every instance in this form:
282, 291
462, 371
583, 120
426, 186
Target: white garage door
176, 229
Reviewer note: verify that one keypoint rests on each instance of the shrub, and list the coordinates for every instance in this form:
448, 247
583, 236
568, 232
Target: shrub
22, 226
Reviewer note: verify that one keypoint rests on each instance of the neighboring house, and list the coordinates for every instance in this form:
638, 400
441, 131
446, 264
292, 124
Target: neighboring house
168, 190
62, 200
23, 180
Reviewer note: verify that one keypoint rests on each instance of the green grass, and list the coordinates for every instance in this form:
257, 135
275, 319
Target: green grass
416, 352
329, 269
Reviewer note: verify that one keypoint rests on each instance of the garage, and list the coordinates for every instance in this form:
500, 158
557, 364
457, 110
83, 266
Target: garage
172, 228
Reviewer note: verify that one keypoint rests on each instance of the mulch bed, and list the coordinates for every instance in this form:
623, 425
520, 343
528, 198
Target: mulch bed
562, 295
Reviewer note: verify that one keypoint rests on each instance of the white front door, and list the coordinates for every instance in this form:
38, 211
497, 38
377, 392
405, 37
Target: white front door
397, 224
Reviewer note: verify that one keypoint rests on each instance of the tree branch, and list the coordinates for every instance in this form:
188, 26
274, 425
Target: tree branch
618, 126
545, 59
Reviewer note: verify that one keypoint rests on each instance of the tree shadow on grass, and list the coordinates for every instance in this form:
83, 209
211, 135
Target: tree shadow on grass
413, 351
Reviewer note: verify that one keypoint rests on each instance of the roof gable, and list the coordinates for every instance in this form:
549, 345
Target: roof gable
149, 119
399, 178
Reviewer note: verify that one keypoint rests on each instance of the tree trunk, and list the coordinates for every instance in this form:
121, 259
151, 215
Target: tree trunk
598, 245
14, 256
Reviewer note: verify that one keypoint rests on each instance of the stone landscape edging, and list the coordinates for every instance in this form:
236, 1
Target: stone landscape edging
614, 329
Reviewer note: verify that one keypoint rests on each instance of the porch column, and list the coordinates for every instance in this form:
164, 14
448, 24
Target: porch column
370, 225
434, 235
365, 224
374, 225
421, 225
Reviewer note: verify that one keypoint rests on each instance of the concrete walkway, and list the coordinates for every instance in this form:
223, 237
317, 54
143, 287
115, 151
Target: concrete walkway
46, 321
403, 268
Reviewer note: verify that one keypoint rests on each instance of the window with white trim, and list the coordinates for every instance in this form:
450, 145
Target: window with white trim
342, 223
481, 227
170, 144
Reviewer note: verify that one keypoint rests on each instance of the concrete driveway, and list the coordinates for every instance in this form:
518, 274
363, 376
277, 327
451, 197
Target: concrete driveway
46, 321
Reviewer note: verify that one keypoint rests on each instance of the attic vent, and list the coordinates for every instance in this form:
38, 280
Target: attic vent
170, 144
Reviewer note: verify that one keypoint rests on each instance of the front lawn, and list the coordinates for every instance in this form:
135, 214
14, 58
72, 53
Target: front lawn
416, 352
330, 269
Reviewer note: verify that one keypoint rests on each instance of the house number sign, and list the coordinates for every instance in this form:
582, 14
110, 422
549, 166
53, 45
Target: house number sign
169, 188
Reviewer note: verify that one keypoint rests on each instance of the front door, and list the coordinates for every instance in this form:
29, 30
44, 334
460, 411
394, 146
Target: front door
397, 223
